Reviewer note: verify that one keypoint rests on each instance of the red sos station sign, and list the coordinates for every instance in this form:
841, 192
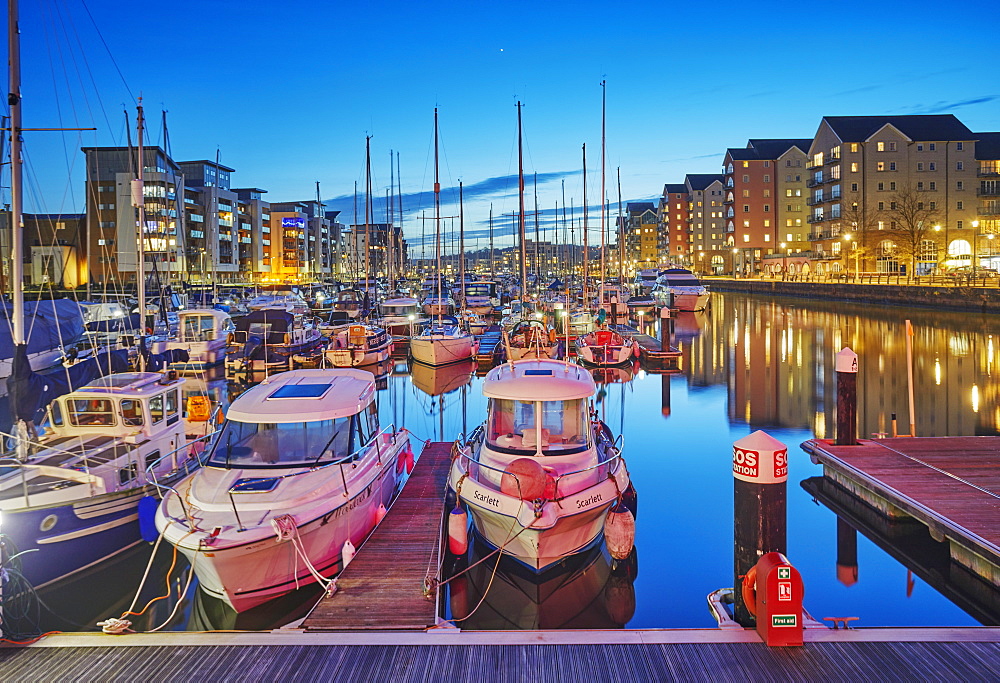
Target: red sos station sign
760, 459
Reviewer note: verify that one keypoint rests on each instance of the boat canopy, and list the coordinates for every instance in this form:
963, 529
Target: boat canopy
679, 277
49, 324
539, 380
306, 396
270, 325
203, 324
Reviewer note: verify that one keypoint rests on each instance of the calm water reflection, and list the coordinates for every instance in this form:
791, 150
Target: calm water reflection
748, 364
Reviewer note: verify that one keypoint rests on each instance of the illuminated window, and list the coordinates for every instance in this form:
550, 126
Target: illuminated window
854, 167
880, 146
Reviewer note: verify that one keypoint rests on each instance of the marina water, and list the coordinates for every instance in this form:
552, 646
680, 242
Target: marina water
748, 364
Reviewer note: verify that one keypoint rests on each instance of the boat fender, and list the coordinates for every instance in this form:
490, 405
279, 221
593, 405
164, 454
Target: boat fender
230, 338
380, 513
147, 514
348, 552
552, 336
523, 478
631, 500
635, 350
409, 460
749, 590
458, 531
400, 462
458, 588
619, 531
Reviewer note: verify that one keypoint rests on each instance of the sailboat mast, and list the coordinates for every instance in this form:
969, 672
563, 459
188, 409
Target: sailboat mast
604, 219
139, 201
16, 184
493, 269
621, 229
586, 249
461, 242
520, 199
390, 206
368, 196
437, 213
320, 215
538, 267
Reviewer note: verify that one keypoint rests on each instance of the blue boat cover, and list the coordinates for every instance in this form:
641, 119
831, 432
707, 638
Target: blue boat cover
48, 325
30, 392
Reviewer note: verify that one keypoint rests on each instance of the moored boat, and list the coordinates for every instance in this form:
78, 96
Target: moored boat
300, 474
678, 288
358, 344
605, 347
541, 473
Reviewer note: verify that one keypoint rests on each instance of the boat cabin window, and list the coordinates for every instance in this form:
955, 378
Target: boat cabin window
91, 412
55, 414
198, 328
156, 409
170, 400
559, 427
131, 410
294, 444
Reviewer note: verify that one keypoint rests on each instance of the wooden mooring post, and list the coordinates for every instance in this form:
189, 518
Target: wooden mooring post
847, 397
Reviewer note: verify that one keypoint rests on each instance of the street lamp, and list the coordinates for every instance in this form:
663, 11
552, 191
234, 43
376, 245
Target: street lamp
784, 261
854, 248
735, 251
975, 247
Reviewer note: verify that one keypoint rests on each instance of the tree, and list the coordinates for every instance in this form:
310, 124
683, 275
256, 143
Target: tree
911, 223
862, 223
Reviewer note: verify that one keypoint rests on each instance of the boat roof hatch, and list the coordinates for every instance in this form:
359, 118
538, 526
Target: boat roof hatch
306, 396
539, 380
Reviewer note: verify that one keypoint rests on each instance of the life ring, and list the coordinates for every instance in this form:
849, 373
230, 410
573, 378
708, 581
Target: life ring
749, 590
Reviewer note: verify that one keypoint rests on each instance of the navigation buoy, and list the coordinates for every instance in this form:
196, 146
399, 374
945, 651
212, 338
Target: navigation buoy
380, 513
348, 552
458, 531
524, 478
619, 531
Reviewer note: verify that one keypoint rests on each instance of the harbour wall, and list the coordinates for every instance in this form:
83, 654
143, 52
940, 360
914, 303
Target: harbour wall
956, 298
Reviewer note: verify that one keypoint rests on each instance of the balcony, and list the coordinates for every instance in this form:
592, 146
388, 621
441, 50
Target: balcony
992, 210
816, 219
833, 159
988, 192
988, 171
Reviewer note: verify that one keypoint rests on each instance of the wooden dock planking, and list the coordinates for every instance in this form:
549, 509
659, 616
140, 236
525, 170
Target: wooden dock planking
382, 588
951, 484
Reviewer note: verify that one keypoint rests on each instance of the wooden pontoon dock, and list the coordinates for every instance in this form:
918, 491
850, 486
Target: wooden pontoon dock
382, 587
656, 356
949, 484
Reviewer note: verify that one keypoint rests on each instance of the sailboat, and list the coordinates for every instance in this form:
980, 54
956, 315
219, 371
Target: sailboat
362, 342
443, 340
531, 336
71, 496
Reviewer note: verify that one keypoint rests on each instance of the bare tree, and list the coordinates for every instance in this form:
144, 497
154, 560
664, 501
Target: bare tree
863, 225
911, 223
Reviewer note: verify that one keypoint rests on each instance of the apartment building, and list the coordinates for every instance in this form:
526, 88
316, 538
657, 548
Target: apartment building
253, 216
892, 192
108, 249
642, 239
672, 224
710, 249
988, 193
210, 208
765, 183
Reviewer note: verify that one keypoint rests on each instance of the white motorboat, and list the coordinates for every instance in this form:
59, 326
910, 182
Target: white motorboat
480, 297
605, 347
401, 316
204, 333
300, 470
540, 475
679, 289
358, 344
613, 299
442, 342
439, 305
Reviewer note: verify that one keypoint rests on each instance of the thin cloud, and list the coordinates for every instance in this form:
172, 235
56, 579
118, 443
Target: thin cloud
942, 107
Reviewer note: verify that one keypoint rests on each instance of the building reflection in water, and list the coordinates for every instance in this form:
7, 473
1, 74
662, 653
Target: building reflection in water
776, 357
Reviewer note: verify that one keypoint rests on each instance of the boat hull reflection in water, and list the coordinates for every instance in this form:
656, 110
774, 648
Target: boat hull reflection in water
586, 591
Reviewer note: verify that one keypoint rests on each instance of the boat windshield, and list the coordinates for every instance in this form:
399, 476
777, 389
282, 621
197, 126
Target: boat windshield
560, 427
293, 444
478, 290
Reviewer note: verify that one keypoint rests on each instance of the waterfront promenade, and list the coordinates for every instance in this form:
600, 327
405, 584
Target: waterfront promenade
935, 654
980, 295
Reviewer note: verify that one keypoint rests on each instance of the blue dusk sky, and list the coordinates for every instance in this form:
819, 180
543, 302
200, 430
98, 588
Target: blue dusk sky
287, 91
